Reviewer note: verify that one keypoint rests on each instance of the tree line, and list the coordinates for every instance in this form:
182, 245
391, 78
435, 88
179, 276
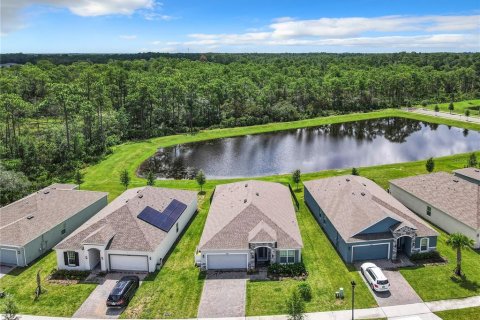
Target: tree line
59, 112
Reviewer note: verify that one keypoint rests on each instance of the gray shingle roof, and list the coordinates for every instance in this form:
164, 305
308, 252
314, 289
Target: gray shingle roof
255, 210
453, 195
118, 226
48, 208
354, 203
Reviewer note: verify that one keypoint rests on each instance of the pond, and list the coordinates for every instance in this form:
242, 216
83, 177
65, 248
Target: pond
344, 145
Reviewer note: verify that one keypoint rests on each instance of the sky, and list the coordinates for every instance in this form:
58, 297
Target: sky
129, 26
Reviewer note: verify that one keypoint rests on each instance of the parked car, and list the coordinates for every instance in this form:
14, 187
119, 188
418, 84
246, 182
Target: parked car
375, 277
123, 291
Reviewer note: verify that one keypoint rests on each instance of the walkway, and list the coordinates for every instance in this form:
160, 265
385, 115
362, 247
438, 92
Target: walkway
453, 116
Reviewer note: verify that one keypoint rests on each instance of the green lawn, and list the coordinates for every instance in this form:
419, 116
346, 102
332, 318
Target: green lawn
58, 300
460, 314
460, 107
439, 282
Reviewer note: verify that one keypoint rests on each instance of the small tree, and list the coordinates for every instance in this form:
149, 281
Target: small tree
151, 178
296, 177
430, 165
201, 179
451, 107
355, 172
295, 306
125, 178
459, 242
437, 108
78, 178
9, 308
472, 160
467, 113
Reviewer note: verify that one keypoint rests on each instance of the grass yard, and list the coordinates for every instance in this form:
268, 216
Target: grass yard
460, 314
439, 282
58, 300
460, 107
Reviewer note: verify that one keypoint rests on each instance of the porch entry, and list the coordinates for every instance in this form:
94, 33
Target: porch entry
262, 255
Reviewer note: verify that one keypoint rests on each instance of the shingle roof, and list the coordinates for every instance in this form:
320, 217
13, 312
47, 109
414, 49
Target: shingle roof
256, 210
118, 226
453, 195
47, 208
354, 203
472, 173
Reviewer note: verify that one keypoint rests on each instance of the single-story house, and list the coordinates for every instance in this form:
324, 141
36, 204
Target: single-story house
444, 199
250, 224
470, 174
31, 226
133, 233
364, 222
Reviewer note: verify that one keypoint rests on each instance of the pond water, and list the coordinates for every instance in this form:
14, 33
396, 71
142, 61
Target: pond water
344, 145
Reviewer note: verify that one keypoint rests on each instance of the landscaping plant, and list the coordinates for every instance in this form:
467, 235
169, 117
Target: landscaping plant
296, 177
295, 306
201, 179
9, 308
125, 178
305, 291
430, 165
459, 242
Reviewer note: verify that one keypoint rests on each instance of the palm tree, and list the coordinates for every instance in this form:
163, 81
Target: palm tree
459, 242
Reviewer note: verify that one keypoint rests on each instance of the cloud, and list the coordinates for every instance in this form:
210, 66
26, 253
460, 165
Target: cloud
128, 36
11, 10
386, 31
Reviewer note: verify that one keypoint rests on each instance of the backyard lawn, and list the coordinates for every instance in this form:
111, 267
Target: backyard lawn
460, 107
460, 314
58, 300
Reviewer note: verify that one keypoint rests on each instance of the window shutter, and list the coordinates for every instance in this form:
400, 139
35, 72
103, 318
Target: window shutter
65, 258
76, 259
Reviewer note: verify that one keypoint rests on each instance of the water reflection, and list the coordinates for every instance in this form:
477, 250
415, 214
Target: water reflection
352, 144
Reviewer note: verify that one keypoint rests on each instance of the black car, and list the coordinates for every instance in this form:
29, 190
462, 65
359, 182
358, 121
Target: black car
123, 291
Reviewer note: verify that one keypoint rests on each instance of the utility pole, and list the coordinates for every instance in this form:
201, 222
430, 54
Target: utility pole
353, 298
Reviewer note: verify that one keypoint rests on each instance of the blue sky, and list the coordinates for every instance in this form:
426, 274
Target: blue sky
104, 26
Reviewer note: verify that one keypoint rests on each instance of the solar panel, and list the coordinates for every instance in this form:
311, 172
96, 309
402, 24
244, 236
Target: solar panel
163, 220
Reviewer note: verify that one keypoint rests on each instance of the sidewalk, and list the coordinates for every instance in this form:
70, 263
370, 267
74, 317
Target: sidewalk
453, 116
417, 311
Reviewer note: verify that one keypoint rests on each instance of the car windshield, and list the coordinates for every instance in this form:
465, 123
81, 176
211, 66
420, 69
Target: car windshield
119, 288
113, 297
382, 282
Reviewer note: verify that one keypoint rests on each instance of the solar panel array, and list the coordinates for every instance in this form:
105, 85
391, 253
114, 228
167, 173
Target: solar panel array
163, 220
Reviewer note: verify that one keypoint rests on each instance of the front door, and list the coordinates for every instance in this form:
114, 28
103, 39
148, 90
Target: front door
262, 254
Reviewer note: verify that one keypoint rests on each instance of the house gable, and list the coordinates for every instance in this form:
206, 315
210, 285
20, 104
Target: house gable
381, 226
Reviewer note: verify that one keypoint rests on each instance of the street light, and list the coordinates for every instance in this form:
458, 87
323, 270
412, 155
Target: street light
353, 297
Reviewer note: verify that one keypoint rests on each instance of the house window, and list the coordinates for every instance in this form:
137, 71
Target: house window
287, 256
71, 258
424, 244
177, 227
429, 211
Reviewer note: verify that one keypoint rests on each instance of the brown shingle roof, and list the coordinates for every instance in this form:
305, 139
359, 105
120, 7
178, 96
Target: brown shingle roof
353, 204
250, 209
118, 225
47, 207
453, 195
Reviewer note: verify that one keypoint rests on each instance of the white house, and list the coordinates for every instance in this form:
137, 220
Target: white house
133, 233
250, 223
446, 200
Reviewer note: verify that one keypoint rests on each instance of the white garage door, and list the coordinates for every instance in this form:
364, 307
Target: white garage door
226, 261
128, 263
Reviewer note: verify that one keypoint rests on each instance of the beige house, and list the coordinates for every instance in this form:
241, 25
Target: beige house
447, 201
250, 223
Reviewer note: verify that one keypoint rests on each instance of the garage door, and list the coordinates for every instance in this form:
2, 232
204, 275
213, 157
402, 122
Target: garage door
371, 252
8, 257
227, 261
128, 263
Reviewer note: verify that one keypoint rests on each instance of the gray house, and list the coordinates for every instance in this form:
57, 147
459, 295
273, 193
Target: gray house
448, 201
364, 222
31, 226
250, 223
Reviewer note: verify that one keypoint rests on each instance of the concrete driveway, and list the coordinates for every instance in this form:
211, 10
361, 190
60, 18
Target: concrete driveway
4, 270
223, 295
94, 307
400, 291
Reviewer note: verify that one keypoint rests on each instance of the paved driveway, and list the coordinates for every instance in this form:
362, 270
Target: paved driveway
223, 295
94, 307
400, 291
4, 270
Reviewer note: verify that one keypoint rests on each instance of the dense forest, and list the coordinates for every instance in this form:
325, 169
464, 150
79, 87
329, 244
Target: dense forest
61, 112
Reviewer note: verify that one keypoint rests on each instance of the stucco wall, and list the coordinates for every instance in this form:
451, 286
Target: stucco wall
438, 217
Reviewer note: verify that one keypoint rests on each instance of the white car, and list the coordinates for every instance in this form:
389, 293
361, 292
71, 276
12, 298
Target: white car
375, 277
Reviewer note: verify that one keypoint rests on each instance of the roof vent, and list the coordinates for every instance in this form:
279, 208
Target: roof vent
140, 196
455, 180
257, 194
476, 170
46, 192
363, 194
364, 184
29, 217
246, 185
245, 201
348, 180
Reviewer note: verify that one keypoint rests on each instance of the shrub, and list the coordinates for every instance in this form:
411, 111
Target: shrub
431, 255
287, 270
295, 306
305, 291
69, 275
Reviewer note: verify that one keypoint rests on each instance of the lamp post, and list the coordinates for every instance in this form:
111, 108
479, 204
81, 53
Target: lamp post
353, 298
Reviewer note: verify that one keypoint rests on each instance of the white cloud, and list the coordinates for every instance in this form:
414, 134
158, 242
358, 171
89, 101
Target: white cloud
128, 36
